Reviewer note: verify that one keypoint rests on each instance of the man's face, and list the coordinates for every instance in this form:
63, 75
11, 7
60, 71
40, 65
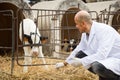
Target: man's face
80, 26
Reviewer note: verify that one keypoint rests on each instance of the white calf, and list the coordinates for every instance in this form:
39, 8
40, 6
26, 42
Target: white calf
30, 36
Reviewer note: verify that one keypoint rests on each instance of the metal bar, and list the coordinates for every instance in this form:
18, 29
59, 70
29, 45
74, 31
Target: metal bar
43, 57
38, 64
13, 43
5, 29
11, 14
5, 47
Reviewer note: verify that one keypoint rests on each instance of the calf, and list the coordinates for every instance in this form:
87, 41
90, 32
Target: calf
65, 44
72, 45
68, 45
29, 34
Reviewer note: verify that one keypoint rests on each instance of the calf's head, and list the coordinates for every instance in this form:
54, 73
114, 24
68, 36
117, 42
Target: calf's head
35, 48
35, 40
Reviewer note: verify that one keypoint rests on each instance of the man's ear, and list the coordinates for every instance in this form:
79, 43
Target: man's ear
83, 22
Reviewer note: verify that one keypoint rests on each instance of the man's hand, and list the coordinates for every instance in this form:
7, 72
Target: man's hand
59, 65
76, 62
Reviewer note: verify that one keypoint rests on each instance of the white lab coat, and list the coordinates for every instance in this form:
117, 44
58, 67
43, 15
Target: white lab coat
103, 45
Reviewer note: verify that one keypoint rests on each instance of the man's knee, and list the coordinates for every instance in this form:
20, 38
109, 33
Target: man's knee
97, 67
102, 71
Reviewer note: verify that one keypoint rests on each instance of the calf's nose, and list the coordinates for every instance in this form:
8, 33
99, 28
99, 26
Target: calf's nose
35, 54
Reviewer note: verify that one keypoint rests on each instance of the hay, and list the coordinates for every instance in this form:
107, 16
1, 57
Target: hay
40, 73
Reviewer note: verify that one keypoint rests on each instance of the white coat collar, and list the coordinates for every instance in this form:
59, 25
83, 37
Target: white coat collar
92, 32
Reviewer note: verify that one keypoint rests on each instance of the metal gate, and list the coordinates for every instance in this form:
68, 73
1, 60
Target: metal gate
5, 31
111, 17
59, 27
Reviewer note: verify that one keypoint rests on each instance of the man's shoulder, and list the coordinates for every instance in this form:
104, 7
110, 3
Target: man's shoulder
100, 25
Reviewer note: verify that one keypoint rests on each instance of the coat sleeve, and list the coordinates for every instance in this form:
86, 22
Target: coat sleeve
80, 46
106, 39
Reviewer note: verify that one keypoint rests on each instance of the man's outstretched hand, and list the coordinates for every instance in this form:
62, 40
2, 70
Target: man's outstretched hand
76, 62
59, 65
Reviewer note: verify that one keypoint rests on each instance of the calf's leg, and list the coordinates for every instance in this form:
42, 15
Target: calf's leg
41, 55
27, 58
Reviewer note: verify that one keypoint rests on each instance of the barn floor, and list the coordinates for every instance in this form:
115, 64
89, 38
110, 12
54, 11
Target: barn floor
40, 73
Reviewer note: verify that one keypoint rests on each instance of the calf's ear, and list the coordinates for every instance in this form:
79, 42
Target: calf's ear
28, 38
43, 38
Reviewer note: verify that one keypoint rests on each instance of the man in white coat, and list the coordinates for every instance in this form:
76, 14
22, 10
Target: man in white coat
98, 50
